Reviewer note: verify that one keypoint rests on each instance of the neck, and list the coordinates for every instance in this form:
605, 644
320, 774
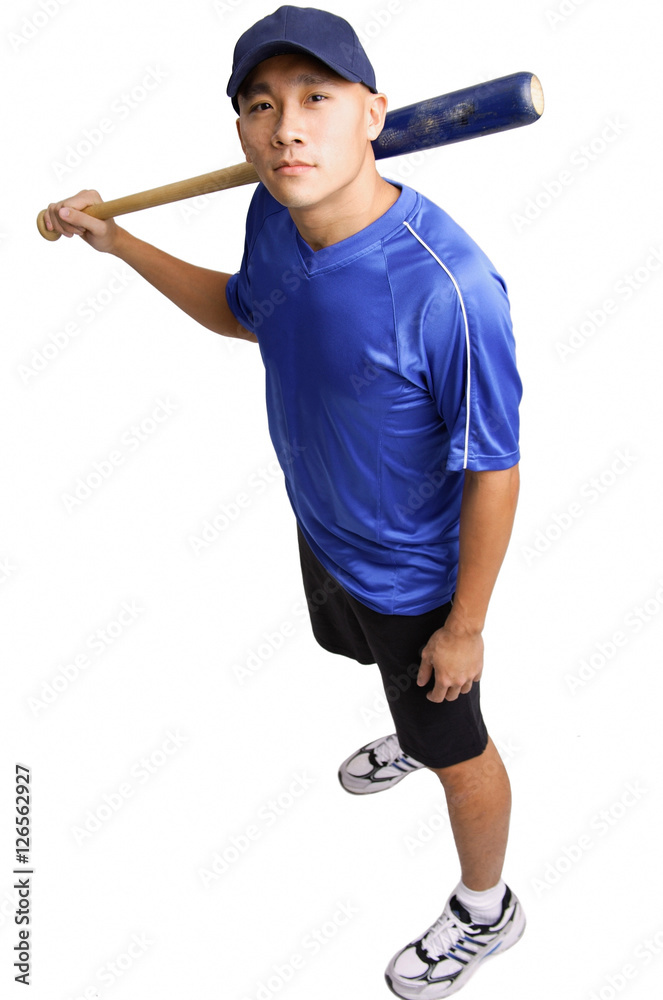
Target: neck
346, 212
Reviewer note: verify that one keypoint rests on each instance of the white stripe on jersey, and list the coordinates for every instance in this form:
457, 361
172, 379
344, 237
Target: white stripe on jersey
467, 337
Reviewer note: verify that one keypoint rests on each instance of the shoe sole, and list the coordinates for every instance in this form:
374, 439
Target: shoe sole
416, 994
376, 786
373, 787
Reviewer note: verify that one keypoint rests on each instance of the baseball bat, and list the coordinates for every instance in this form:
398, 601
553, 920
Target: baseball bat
494, 106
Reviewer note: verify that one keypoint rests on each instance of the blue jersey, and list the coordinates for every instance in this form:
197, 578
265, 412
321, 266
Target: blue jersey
390, 368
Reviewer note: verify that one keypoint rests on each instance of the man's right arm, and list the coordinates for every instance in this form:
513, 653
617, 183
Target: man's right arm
200, 292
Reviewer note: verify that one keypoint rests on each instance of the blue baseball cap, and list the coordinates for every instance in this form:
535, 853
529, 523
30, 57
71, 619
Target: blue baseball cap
301, 29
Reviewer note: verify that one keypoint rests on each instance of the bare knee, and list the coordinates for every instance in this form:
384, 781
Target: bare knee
470, 776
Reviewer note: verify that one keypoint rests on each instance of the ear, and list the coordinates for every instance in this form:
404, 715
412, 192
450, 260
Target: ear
377, 112
239, 133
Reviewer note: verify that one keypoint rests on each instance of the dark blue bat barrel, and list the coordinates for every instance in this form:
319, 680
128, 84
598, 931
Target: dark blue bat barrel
495, 106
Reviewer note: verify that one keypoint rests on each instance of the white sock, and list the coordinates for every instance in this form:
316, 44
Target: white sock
483, 907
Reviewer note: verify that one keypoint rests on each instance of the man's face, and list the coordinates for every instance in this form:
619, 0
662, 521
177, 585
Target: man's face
306, 129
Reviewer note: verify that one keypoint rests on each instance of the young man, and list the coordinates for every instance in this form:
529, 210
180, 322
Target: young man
392, 396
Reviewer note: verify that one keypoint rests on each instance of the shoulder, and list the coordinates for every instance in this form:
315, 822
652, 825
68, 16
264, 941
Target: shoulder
264, 208
446, 253
264, 203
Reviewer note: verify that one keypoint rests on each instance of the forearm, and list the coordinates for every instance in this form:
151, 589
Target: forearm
486, 520
198, 291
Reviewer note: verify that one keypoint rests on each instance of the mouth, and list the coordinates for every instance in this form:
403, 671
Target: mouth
292, 167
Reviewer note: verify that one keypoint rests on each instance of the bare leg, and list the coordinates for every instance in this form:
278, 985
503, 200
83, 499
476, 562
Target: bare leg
479, 801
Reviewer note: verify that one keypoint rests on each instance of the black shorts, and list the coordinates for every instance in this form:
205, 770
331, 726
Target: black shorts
436, 734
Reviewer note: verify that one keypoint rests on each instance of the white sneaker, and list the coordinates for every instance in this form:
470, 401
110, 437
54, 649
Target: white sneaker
379, 765
440, 961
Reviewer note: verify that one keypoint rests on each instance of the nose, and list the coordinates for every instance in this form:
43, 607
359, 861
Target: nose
289, 127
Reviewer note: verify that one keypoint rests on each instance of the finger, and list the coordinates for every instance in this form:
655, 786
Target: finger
82, 200
425, 672
80, 223
55, 221
452, 693
52, 220
58, 222
68, 227
439, 694
71, 229
466, 688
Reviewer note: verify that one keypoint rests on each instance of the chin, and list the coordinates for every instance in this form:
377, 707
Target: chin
287, 196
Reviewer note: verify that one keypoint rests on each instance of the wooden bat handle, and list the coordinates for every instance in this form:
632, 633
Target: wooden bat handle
216, 180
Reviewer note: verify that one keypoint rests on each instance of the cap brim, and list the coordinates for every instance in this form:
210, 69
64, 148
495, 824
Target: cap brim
276, 48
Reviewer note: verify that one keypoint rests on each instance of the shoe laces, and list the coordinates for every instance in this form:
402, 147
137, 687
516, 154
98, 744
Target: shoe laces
442, 937
388, 751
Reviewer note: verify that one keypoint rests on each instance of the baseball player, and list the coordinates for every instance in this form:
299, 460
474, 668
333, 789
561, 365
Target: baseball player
392, 398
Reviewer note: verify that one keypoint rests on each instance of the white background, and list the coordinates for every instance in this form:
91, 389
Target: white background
576, 746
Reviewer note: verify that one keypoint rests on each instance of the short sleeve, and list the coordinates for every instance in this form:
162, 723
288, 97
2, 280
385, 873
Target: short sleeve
473, 373
238, 290
238, 294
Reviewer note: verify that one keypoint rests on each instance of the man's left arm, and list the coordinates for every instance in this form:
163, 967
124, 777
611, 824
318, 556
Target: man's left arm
455, 652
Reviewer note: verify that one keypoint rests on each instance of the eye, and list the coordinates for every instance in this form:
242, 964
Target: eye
258, 107
318, 98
